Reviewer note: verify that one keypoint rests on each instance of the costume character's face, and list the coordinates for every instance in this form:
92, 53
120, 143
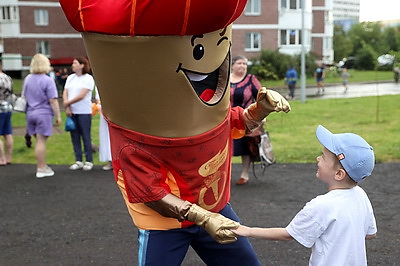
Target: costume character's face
168, 86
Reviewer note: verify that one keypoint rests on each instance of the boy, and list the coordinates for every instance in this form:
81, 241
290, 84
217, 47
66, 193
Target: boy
336, 224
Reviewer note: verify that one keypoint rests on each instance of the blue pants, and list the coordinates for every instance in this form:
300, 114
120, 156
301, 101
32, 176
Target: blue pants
83, 123
160, 248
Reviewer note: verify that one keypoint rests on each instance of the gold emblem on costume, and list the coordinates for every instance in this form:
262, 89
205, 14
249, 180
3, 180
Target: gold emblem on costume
212, 166
209, 170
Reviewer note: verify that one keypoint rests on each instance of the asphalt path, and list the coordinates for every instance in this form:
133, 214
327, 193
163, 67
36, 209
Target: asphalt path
356, 89
79, 218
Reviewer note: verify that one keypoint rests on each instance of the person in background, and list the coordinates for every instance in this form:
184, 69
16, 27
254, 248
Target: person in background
77, 97
291, 80
345, 78
42, 106
6, 108
334, 225
244, 89
319, 75
104, 137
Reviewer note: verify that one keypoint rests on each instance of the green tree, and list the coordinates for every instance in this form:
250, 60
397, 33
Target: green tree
342, 45
391, 37
367, 32
366, 57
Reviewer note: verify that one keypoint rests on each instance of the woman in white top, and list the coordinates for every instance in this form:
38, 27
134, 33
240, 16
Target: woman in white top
77, 99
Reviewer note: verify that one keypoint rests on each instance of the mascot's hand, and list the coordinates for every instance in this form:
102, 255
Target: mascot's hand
267, 101
217, 225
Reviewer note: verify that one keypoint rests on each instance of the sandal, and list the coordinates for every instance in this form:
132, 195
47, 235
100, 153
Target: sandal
242, 181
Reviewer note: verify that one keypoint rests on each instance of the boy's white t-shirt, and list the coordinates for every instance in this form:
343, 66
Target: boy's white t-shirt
75, 84
335, 225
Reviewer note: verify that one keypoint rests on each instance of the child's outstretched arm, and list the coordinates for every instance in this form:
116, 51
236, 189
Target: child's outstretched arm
264, 233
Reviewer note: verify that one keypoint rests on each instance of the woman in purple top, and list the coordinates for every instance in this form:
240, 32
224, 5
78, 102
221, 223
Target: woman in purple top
42, 105
244, 89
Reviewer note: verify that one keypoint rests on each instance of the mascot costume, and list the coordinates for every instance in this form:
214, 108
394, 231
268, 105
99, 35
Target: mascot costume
162, 70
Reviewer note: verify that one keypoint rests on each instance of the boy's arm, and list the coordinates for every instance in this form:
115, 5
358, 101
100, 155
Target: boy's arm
264, 233
370, 236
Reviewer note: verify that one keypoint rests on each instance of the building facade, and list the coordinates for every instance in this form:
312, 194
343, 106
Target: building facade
278, 24
30, 27
346, 13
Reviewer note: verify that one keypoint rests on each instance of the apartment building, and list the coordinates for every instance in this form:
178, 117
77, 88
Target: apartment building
278, 24
346, 13
30, 27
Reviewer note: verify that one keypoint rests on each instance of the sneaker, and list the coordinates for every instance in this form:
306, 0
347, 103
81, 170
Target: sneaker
107, 167
43, 172
88, 166
76, 166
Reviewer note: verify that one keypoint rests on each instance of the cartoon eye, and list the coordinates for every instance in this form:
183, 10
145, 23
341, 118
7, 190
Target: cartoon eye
198, 52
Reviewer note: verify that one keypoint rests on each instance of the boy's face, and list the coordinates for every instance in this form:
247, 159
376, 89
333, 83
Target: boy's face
327, 166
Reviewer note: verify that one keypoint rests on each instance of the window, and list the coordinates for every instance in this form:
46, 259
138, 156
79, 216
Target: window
41, 17
291, 4
253, 41
290, 37
252, 7
8, 13
283, 37
43, 47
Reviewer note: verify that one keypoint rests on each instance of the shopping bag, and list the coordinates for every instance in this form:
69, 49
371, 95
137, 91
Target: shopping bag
69, 124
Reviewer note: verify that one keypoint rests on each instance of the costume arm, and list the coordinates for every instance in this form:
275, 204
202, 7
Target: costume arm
267, 101
217, 225
264, 233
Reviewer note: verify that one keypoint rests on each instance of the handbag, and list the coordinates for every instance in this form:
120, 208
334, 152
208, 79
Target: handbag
69, 124
265, 149
20, 104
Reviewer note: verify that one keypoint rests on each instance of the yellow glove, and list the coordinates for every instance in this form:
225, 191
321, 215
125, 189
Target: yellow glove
267, 101
217, 225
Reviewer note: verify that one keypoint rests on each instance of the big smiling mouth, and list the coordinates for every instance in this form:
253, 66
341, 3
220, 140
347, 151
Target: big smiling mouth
210, 87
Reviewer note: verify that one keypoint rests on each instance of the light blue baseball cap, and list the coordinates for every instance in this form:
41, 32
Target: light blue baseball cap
354, 153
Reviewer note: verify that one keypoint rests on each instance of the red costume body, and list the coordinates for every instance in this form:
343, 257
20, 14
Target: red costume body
196, 169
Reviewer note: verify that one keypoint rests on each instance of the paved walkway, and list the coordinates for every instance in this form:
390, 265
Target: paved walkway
79, 218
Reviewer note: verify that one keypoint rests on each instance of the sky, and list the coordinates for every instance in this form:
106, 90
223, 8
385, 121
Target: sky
373, 10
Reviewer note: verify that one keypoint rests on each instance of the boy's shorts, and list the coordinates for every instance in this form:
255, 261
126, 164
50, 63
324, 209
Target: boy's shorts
5, 124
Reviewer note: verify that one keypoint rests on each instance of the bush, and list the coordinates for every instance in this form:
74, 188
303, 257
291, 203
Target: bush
366, 58
271, 65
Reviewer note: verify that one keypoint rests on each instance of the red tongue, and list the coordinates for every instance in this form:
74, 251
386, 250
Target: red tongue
207, 94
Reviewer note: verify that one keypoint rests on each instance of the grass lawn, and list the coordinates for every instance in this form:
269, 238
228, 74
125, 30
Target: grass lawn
59, 146
293, 135
334, 77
